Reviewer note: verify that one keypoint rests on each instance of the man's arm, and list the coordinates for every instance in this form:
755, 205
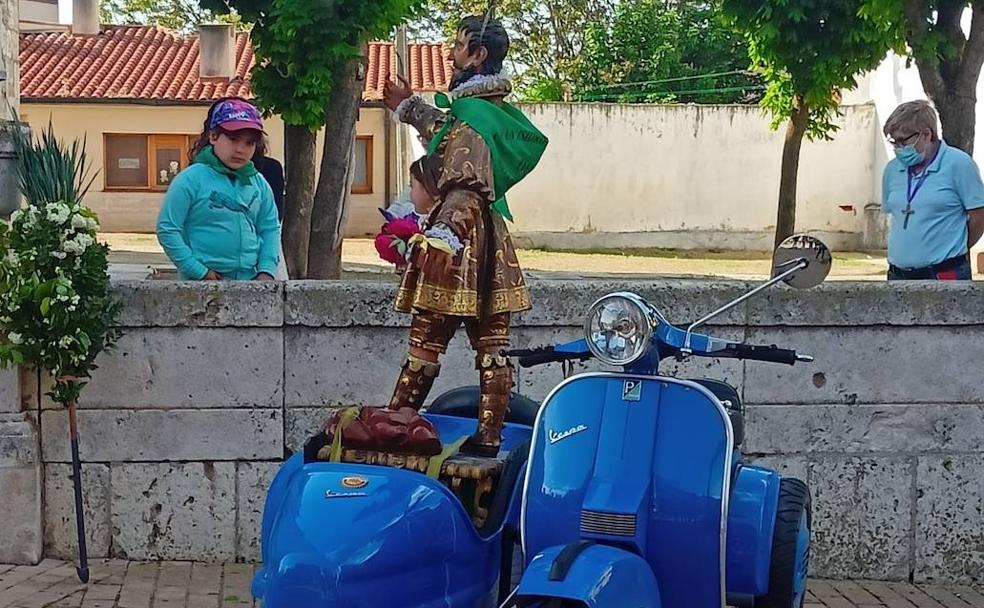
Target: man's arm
975, 226
970, 189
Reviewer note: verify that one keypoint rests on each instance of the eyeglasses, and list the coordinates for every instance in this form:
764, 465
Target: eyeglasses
904, 141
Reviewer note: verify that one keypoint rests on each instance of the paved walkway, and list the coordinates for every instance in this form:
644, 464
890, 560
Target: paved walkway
122, 584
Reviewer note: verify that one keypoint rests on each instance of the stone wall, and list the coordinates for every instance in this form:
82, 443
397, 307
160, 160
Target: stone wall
185, 424
20, 475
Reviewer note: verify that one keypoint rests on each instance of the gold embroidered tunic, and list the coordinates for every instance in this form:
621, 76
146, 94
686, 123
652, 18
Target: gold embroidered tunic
484, 276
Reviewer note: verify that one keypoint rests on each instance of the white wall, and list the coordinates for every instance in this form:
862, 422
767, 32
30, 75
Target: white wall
38, 11
679, 175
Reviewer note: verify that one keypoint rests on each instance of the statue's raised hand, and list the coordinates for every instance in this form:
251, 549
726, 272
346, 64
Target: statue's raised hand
395, 92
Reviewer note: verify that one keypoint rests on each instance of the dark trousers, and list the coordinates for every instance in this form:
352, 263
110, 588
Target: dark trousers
953, 269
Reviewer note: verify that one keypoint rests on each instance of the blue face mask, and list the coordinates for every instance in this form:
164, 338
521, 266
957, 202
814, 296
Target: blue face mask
908, 156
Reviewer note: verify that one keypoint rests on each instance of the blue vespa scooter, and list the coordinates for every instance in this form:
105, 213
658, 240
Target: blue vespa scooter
636, 494
628, 488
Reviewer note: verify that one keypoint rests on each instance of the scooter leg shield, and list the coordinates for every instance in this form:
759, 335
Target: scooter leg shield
599, 576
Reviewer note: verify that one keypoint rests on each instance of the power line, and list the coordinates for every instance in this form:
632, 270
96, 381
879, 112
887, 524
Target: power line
677, 79
685, 92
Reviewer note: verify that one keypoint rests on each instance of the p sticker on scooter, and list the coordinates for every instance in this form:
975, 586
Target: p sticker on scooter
632, 390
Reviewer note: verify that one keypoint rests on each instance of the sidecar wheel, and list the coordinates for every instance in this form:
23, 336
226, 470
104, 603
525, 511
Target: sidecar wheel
790, 548
463, 402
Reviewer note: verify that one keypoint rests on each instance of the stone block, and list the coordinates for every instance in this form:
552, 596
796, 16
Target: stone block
555, 302
908, 429
20, 489
166, 435
60, 534
10, 394
200, 304
949, 522
860, 365
797, 467
356, 366
862, 517
176, 367
537, 382
30, 388
174, 511
18, 441
21, 532
566, 302
253, 483
301, 423
859, 303
342, 304
359, 366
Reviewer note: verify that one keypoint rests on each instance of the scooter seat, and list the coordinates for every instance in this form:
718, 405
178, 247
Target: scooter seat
728, 396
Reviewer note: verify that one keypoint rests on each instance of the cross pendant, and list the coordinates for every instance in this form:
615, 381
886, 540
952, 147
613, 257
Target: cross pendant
907, 212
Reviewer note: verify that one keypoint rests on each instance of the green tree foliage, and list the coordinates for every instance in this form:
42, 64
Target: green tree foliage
183, 16
309, 69
949, 60
546, 36
659, 51
808, 51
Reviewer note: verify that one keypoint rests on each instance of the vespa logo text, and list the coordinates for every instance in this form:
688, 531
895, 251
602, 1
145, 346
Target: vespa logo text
556, 436
334, 494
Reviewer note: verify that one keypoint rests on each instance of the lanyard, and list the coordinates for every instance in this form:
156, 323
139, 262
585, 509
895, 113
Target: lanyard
911, 192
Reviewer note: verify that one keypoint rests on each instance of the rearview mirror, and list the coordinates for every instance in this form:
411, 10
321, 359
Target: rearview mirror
802, 247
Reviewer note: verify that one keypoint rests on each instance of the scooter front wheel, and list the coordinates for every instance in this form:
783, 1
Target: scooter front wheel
790, 548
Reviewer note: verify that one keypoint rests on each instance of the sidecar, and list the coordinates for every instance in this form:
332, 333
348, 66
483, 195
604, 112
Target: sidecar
364, 536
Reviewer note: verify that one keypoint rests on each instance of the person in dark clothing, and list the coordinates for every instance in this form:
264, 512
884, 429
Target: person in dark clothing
273, 171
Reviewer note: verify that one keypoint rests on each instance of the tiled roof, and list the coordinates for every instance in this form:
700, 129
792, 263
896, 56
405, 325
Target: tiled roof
151, 64
427, 67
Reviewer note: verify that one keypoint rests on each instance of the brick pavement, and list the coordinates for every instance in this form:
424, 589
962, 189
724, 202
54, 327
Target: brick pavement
122, 584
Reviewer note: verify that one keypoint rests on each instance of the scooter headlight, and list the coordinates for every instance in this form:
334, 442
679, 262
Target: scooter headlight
618, 328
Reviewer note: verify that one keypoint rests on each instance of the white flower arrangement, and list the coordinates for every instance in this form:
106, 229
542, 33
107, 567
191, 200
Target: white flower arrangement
56, 307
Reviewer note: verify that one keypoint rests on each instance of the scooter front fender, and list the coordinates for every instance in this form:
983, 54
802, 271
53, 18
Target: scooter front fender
599, 576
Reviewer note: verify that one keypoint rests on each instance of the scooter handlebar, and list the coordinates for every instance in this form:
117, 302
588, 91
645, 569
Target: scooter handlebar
769, 354
544, 354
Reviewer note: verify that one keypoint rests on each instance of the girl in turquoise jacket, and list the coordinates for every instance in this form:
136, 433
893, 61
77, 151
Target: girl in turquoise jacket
219, 219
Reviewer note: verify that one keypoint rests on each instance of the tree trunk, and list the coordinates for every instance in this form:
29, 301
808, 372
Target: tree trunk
335, 182
299, 159
957, 116
795, 130
949, 79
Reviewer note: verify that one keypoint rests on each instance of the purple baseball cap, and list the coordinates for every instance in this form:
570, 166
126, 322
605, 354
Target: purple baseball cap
235, 115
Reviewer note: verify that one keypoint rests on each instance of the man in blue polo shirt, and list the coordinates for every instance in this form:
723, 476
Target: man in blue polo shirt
934, 196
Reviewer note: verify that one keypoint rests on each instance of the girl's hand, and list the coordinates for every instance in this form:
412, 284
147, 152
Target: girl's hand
264, 276
211, 275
